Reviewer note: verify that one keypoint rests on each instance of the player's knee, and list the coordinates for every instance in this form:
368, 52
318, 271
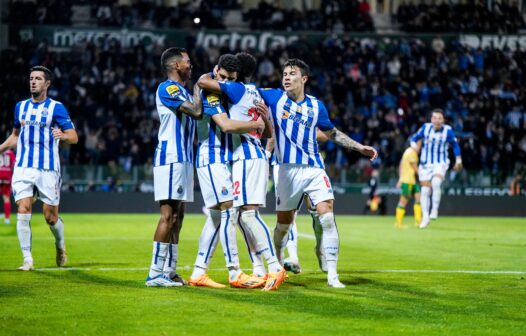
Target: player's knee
327, 221
436, 182
166, 219
51, 218
324, 207
247, 215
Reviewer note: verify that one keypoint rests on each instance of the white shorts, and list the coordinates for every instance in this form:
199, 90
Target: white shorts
250, 182
426, 172
44, 184
174, 181
294, 180
216, 183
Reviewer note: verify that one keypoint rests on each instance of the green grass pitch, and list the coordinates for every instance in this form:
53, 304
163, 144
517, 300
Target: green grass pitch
415, 282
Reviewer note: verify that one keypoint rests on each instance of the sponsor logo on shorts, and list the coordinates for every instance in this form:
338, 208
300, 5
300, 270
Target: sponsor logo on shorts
180, 190
224, 191
236, 198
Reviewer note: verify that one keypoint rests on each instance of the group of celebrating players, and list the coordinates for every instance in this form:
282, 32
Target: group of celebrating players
230, 116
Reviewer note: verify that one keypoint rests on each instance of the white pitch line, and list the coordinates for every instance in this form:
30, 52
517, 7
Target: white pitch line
127, 269
307, 235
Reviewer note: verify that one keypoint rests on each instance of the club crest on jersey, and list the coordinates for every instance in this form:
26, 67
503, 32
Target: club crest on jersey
224, 191
213, 100
44, 112
173, 90
180, 190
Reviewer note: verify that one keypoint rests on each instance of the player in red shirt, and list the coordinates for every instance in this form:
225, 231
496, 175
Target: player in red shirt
7, 162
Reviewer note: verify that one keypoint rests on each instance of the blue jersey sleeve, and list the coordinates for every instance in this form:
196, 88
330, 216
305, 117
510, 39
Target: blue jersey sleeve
16, 123
61, 118
171, 95
233, 90
452, 140
419, 135
270, 96
212, 103
324, 123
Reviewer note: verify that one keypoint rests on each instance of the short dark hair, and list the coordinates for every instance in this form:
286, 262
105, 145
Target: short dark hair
48, 75
438, 110
229, 62
247, 65
297, 63
168, 54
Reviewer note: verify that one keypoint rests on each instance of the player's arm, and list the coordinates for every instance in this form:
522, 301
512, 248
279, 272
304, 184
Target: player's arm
334, 134
452, 140
418, 137
264, 115
68, 136
269, 147
399, 182
206, 82
345, 141
238, 127
62, 127
320, 136
11, 141
193, 109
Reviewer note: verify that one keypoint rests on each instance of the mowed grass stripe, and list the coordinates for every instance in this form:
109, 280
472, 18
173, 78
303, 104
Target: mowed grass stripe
398, 282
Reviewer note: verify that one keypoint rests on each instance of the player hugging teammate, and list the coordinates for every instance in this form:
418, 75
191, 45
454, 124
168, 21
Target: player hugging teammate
232, 165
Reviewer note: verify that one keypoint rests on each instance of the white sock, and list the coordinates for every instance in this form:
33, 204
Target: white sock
170, 265
261, 233
292, 244
331, 243
158, 257
23, 228
318, 231
58, 232
281, 237
207, 243
227, 235
258, 266
424, 202
436, 183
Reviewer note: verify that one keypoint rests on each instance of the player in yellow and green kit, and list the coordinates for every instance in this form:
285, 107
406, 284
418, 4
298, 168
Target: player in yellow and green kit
409, 186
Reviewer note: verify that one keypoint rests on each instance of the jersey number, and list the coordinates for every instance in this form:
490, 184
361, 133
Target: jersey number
255, 115
5, 161
236, 188
327, 182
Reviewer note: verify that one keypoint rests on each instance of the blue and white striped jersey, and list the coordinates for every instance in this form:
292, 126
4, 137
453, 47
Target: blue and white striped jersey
36, 147
243, 99
177, 129
295, 127
214, 145
435, 144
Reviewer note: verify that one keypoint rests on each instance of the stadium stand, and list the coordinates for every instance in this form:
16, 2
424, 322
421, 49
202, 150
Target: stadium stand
379, 92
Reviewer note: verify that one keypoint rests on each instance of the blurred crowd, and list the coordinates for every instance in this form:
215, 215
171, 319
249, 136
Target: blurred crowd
379, 93
337, 16
463, 16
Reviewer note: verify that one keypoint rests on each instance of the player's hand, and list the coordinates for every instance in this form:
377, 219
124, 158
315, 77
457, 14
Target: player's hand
369, 151
457, 166
262, 110
260, 125
57, 133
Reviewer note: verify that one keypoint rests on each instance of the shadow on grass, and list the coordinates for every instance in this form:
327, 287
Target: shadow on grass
89, 277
